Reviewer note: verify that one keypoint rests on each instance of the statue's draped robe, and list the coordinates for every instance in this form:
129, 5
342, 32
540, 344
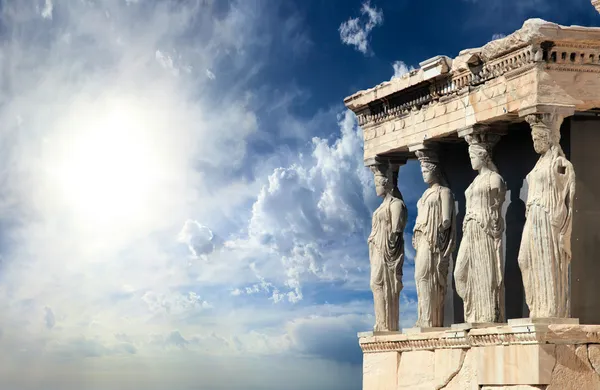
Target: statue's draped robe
545, 252
479, 269
433, 253
386, 253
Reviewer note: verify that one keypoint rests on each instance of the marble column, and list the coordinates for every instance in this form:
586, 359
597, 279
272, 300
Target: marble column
545, 253
386, 246
479, 269
434, 239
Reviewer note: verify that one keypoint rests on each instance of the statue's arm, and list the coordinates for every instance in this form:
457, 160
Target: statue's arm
565, 169
447, 209
445, 235
498, 190
497, 195
398, 212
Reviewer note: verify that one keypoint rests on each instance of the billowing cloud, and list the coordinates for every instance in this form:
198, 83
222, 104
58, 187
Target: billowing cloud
199, 239
356, 31
308, 211
46, 11
142, 232
400, 69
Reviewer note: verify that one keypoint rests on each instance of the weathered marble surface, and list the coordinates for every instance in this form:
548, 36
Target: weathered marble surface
545, 251
495, 358
496, 82
386, 249
479, 268
434, 239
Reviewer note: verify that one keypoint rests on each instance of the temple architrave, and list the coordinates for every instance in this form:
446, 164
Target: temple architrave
507, 234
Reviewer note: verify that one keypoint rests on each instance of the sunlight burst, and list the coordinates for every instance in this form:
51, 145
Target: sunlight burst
107, 166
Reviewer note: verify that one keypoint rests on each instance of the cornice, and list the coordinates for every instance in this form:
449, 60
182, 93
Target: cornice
482, 337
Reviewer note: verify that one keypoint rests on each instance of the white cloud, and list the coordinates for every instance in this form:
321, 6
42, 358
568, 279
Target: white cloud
210, 74
47, 10
198, 238
304, 208
174, 304
355, 31
125, 162
400, 69
236, 292
106, 155
497, 36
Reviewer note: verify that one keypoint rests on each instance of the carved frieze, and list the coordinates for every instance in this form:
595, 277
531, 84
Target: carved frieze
500, 335
540, 63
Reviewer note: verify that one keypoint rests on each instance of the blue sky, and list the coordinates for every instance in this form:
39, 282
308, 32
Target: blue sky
183, 201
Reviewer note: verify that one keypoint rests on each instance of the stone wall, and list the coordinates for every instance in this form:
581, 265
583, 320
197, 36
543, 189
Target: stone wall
555, 357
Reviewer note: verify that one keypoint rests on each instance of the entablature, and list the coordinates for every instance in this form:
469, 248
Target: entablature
540, 64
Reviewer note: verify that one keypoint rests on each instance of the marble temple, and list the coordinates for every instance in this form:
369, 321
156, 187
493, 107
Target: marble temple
507, 235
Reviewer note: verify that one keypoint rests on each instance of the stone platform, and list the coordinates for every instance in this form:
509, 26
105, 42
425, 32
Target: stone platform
521, 356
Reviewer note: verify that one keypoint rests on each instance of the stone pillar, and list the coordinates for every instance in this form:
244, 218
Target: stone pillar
386, 246
479, 266
434, 239
545, 253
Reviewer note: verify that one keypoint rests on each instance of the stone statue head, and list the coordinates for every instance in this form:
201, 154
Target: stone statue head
429, 172
384, 181
478, 157
430, 169
543, 132
542, 139
480, 150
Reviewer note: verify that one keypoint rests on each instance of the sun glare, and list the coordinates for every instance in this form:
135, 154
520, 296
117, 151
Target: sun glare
107, 167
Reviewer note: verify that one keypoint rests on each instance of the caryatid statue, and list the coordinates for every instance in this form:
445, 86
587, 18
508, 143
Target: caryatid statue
434, 239
386, 248
545, 252
479, 269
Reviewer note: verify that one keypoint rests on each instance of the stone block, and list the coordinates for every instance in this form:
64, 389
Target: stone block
516, 387
573, 334
515, 364
426, 370
477, 325
519, 357
380, 370
573, 369
416, 371
594, 356
543, 321
422, 330
466, 377
447, 364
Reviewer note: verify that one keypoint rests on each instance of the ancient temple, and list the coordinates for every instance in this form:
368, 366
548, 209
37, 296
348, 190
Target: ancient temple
507, 238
